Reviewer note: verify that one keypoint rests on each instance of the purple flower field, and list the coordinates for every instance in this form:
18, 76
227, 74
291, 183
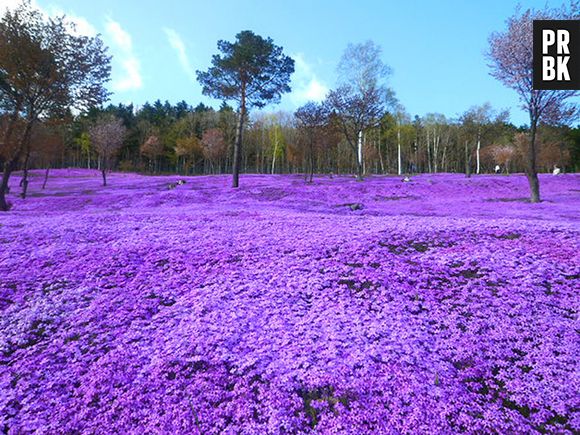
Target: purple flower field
442, 305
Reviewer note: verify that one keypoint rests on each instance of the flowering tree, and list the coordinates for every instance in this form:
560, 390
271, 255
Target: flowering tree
503, 155
152, 148
107, 137
214, 144
511, 62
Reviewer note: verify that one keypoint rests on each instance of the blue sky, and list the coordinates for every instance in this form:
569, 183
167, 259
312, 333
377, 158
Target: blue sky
435, 48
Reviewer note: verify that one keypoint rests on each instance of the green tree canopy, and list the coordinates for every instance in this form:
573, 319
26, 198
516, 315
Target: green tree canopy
251, 71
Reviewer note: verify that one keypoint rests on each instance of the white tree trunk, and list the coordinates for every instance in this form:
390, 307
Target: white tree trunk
436, 142
273, 162
399, 151
429, 152
477, 154
360, 143
381, 158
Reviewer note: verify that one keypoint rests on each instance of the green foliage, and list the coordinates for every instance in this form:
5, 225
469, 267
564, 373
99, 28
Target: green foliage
84, 142
277, 142
251, 70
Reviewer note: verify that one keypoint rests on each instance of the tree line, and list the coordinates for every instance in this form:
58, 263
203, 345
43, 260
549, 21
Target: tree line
161, 138
52, 113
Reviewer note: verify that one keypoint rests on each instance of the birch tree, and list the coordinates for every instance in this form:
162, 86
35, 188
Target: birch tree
480, 125
276, 138
362, 95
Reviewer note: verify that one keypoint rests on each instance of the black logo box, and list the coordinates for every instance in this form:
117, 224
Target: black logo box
573, 63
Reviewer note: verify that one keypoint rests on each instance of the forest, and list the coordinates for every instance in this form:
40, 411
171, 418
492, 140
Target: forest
181, 139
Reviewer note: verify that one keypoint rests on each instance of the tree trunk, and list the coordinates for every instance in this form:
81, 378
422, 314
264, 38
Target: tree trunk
8, 168
436, 142
275, 151
104, 174
429, 152
24, 185
237, 160
311, 162
45, 177
467, 161
24, 179
364, 166
10, 164
478, 165
359, 164
381, 162
531, 170
399, 162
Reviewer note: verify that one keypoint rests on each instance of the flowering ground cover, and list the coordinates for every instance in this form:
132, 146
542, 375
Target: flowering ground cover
442, 305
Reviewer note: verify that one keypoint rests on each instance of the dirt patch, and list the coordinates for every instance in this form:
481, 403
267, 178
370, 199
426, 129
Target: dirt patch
395, 198
508, 200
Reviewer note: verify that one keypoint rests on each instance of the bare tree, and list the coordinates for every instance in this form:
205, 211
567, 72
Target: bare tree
152, 148
214, 145
479, 123
107, 137
312, 118
276, 138
401, 117
362, 96
511, 61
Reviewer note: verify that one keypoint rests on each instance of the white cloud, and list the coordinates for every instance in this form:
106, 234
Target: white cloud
124, 57
119, 35
315, 91
132, 76
82, 27
305, 85
179, 46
